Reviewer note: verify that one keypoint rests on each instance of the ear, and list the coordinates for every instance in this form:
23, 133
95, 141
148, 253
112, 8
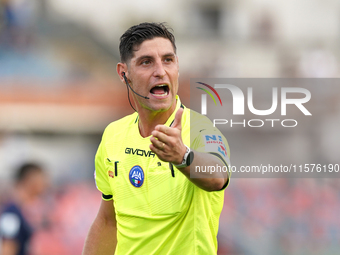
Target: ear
122, 68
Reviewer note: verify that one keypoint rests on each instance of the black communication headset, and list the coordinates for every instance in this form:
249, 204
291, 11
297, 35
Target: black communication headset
127, 87
127, 83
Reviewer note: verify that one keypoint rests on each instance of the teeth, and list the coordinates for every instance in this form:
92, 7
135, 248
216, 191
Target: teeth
164, 94
166, 91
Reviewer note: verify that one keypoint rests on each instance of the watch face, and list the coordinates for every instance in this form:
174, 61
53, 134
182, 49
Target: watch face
190, 158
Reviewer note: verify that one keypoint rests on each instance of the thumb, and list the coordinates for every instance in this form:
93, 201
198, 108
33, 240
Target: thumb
178, 119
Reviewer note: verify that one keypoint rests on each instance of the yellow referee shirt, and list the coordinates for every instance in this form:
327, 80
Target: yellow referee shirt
159, 211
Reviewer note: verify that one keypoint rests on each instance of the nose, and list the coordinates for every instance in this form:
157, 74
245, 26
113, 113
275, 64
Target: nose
159, 70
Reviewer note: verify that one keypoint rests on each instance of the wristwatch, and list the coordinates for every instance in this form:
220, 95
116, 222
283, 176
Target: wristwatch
187, 159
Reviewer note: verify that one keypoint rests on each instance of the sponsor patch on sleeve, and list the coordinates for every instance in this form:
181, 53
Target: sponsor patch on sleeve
214, 143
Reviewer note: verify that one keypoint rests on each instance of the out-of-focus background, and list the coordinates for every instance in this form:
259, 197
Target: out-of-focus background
59, 90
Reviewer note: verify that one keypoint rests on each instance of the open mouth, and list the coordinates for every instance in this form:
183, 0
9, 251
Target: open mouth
160, 90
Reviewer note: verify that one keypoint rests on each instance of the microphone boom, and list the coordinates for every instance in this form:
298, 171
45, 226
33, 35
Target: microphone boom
127, 83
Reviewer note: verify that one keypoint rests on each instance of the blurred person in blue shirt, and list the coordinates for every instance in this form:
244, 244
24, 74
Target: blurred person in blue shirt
15, 229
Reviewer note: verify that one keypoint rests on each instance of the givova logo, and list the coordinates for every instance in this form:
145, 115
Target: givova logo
239, 104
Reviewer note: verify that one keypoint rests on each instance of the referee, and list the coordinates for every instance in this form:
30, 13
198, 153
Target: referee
150, 202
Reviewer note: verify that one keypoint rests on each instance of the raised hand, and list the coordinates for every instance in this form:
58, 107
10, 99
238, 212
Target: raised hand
166, 142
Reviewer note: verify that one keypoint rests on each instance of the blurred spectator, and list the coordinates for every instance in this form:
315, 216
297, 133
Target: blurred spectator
318, 63
16, 23
263, 26
15, 227
7, 22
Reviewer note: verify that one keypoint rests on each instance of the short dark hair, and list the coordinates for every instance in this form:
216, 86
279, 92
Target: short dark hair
136, 35
26, 169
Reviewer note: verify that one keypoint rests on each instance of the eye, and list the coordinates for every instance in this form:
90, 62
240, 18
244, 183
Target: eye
146, 62
169, 60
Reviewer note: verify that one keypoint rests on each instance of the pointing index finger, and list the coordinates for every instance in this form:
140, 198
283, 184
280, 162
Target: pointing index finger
178, 119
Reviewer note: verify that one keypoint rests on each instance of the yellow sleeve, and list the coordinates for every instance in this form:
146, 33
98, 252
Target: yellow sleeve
208, 139
212, 141
101, 172
204, 137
